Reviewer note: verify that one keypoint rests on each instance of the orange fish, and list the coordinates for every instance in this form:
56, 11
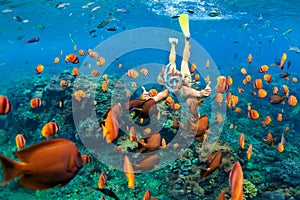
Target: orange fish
219, 98
287, 129
36, 102
292, 100
102, 180
275, 90
90, 51
263, 69
72, 58
56, 60
20, 141
86, 159
128, 169
127, 93
94, 54
104, 86
75, 47
39, 68
153, 92
249, 152
252, 114
132, 134
258, 84
270, 139
75, 71
248, 79
294, 80
169, 100
250, 58
238, 110
147, 195
110, 124
63, 83
81, 52
279, 117
133, 84
147, 131
262, 93
100, 61
268, 78
163, 143
144, 71
236, 180
175, 123
197, 77
285, 90
244, 71
234, 101
283, 58
176, 106
219, 118
215, 162
5, 105
222, 85
267, 121
40, 172
49, 129
241, 90
105, 76
280, 147
131, 73
95, 73
242, 141
120, 65
193, 67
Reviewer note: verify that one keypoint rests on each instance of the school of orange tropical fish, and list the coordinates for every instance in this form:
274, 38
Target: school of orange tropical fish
259, 98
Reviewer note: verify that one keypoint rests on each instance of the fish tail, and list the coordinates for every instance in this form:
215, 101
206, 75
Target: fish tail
11, 169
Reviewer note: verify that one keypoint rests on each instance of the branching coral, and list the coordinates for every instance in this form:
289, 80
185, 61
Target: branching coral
250, 190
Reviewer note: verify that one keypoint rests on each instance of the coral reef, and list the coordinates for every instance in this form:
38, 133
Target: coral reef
250, 190
287, 171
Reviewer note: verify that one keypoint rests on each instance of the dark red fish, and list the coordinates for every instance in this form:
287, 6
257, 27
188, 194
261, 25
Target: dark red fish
199, 127
43, 165
146, 164
5, 105
150, 144
142, 108
276, 99
32, 40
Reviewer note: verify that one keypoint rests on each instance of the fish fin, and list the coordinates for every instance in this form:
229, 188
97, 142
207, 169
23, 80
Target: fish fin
104, 130
30, 182
184, 24
156, 166
24, 155
11, 169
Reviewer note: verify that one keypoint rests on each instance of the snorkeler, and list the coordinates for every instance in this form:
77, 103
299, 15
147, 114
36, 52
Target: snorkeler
179, 83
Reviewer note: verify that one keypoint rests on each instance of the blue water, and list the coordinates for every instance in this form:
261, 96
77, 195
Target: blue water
245, 27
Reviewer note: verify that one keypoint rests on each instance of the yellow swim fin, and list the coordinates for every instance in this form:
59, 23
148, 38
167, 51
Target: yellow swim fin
184, 24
